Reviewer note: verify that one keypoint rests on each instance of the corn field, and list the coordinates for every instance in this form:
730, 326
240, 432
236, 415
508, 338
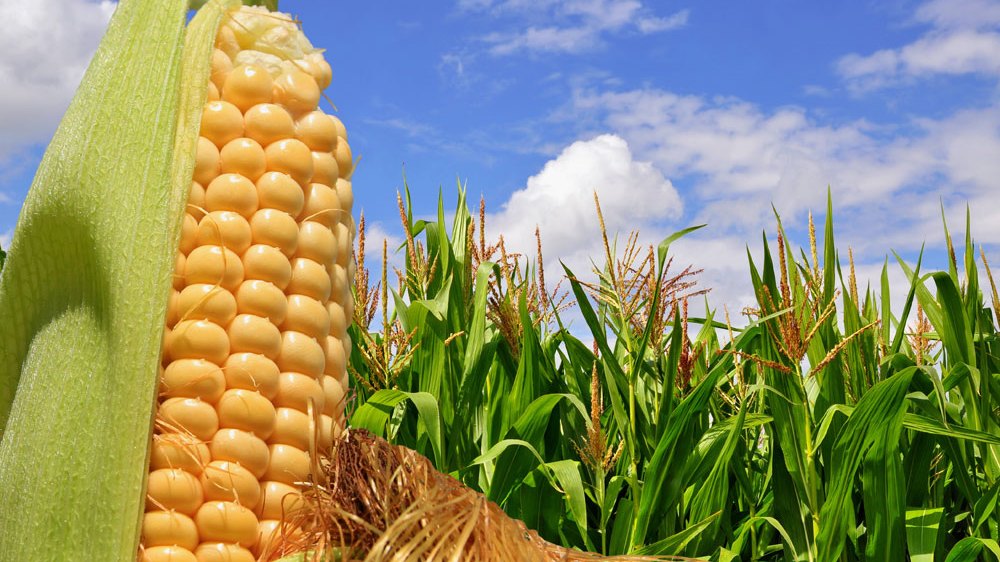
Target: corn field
818, 425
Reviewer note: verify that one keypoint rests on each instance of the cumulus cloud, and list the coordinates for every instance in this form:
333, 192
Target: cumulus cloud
560, 201
571, 26
44, 51
963, 38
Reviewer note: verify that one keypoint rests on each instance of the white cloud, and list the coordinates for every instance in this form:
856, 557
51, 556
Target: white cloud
960, 14
726, 161
738, 159
542, 39
654, 24
560, 201
570, 26
44, 51
963, 39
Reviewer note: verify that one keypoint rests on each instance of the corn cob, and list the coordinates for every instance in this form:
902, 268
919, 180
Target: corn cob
252, 371
254, 357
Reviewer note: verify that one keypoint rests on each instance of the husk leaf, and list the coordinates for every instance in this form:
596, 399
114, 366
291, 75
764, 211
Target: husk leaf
84, 291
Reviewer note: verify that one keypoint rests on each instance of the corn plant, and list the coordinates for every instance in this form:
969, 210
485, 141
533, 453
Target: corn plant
826, 427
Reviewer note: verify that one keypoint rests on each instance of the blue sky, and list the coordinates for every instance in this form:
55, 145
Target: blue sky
676, 113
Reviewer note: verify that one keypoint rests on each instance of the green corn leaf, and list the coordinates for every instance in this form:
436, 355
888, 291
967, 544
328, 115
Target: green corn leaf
376, 413
84, 293
676, 542
566, 474
922, 533
662, 485
874, 424
514, 465
969, 549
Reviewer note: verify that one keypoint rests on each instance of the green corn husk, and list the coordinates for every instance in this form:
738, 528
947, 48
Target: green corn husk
84, 292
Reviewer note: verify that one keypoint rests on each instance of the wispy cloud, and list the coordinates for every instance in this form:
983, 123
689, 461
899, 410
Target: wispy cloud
407, 126
571, 26
963, 37
424, 138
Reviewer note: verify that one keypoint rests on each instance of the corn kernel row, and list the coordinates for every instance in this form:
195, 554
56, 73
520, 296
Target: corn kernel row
256, 345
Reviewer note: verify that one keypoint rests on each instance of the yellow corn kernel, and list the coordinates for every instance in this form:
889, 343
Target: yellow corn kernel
301, 353
306, 315
222, 65
173, 489
262, 298
243, 156
297, 91
333, 394
247, 86
277, 500
252, 371
224, 228
226, 522
214, 265
223, 552
326, 170
288, 464
339, 125
247, 410
318, 131
309, 278
292, 157
190, 415
178, 450
193, 378
321, 205
345, 160
338, 319
221, 122
241, 447
277, 190
167, 554
316, 242
196, 198
206, 163
267, 263
203, 301
231, 482
254, 334
169, 528
198, 339
291, 427
267, 123
298, 391
232, 192
272, 227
